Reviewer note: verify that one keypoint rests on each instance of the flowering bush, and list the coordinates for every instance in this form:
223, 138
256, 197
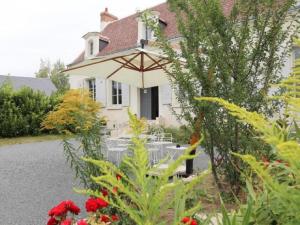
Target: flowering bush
78, 114
59, 214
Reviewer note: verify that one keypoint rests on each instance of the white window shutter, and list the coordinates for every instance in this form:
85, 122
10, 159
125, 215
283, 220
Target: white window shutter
101, 91
166, 92
125, 94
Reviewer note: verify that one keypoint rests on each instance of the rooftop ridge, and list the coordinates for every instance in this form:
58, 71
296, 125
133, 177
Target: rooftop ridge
132, 15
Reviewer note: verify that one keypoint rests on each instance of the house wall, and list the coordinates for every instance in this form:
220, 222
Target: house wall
118, 116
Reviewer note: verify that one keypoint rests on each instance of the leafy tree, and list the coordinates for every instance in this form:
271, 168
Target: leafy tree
45, 69
277, 197
54, 72
59, 79
236, 56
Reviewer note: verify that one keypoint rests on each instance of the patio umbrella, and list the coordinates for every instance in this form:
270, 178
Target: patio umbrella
137, 67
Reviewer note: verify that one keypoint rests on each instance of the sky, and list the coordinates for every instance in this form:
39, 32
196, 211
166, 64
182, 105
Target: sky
52, 29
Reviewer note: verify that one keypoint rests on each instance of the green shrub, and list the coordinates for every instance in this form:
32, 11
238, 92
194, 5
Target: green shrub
22, 111
276, 192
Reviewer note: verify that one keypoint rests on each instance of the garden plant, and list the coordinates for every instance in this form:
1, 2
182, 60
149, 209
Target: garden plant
22, 111
78, 118
231, 53
274, 193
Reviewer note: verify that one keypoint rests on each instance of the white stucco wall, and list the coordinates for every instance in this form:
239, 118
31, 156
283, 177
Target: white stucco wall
118, 114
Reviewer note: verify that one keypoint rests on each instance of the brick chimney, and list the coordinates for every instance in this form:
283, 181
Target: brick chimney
106, 18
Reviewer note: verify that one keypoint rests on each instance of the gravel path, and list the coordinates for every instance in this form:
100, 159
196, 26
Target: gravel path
33, 178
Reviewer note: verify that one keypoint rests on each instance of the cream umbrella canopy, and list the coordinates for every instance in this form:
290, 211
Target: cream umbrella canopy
137, 67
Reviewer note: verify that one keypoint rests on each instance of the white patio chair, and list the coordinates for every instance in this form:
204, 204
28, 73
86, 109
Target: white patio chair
115, 155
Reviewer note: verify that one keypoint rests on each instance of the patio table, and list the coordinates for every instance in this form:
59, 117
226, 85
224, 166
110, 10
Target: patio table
174, 152
124, 145
160, 168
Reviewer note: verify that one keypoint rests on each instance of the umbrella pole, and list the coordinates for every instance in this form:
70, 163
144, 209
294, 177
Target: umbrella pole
143, 84
142, 69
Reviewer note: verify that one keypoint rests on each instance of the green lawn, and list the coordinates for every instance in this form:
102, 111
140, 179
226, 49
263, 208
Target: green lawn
30, 139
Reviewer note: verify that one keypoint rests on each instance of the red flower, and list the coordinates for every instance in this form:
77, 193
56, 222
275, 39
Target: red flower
114, 218
115, 190
82, 222
91, 205
104, 219
58, 210
104, 192
70, 205
63, 207
118, 176
193, 222
66, 222
102, 203
185, 220
52, 221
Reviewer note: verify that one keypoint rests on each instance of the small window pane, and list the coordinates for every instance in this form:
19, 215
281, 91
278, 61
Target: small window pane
92, 88
114, 100
116, 93
120, 89
91, 48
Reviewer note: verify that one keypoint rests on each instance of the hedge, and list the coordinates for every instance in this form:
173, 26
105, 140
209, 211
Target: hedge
22, 111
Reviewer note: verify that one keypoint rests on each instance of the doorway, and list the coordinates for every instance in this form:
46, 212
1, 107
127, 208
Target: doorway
149, 103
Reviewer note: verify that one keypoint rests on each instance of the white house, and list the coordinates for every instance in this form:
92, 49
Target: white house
118, 37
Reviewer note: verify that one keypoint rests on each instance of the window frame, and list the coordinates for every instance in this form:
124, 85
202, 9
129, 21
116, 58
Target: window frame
148, 32
92, 88
91, 47
116, 93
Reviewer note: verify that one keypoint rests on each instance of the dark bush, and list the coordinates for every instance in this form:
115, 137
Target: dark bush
22, 111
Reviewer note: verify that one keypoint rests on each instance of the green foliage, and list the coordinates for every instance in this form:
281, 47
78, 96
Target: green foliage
45, 68
180, 135
54, 72
86, 143
144, 198
22, 111
59, 79
278, 200
236, 57
79, 115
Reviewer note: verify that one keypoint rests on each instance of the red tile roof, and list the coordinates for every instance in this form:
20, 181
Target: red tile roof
123, 33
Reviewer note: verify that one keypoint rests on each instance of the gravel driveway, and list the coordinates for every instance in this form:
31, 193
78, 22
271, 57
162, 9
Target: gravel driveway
33, 178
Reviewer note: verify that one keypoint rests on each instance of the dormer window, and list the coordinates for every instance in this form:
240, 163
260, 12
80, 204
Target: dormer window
91, 48
144, 31
148, 32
